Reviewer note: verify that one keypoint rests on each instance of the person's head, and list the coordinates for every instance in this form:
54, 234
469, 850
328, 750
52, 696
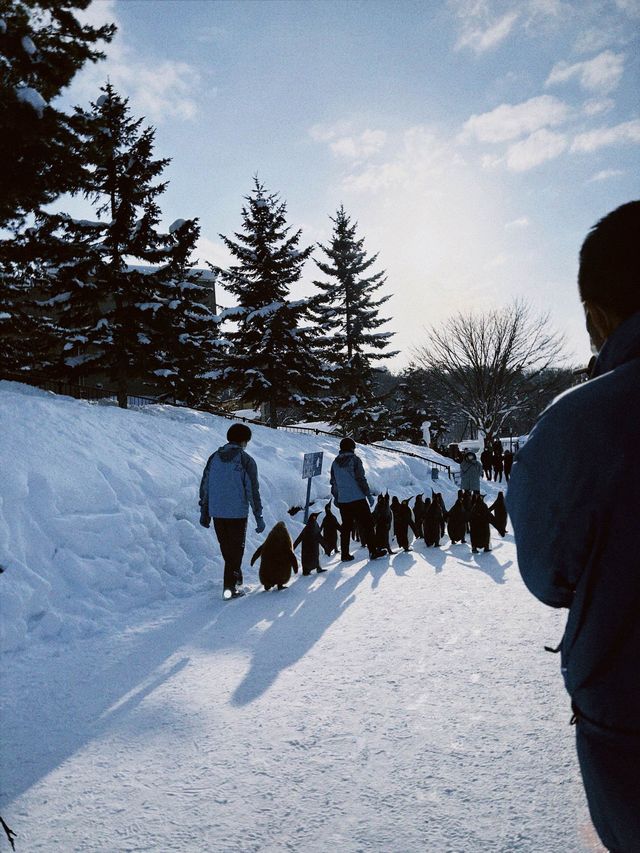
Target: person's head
239, 434
470, 455
347, 445
609, 272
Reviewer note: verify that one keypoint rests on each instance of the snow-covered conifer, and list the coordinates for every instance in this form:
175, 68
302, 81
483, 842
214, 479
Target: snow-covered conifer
346, 313
107, 302
42, 46
271, 360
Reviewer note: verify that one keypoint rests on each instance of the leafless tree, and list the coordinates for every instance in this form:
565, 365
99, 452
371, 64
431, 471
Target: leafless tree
484, 365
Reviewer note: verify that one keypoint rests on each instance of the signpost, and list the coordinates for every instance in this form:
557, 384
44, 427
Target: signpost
311, 467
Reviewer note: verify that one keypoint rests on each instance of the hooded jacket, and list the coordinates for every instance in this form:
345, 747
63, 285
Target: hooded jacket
574, 501
470, 470
229, 484
348, 481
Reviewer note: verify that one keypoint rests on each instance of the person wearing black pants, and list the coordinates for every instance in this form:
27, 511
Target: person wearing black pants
231, 533
353, 497
229, 486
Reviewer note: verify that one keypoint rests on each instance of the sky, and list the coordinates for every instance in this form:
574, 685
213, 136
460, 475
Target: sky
475, 142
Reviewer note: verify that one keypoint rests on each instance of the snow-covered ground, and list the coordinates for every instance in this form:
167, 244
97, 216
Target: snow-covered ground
404, 704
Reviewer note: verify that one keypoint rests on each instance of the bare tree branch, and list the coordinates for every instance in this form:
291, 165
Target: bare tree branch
485, 364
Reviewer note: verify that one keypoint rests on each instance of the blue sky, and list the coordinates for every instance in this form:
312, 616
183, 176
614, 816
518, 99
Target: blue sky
474, 141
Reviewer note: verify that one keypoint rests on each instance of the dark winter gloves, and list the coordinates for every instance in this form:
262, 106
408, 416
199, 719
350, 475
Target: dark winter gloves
260, 525
205, 519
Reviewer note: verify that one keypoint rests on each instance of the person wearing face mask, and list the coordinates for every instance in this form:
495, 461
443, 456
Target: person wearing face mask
574, 501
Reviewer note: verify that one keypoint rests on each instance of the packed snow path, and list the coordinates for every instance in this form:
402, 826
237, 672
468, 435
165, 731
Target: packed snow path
401, 705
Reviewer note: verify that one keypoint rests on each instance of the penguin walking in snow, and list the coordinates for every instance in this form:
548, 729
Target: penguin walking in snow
480, 523
418, 515
402, 521
382, 518
311, 539
330, 528
437, 496
276, 558
457, 522
498, 510
432, 525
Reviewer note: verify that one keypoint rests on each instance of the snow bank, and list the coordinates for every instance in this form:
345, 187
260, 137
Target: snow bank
99, 506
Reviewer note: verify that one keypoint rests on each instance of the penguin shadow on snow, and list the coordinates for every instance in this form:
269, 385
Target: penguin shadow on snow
487, 562
401, 562
296, 618
436, 556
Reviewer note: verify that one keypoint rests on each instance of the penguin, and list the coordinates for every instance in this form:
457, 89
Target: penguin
499, 512
382, 518
437, 496
433, 523
457, 522
402, 522
395, 504
330, 528
480, 521
311, 539
418, 515
277, 558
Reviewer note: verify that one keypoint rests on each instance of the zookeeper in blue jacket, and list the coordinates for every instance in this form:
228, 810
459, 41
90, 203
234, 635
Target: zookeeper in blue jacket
353, 497
228, 487
574, 500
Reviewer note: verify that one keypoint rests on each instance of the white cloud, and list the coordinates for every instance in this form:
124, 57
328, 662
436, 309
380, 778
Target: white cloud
359, 147
629, 7
603, 137
510, 121
541, 146
420, 154
598, 106
600, 74
159, 89
521, 222
605, 175
483, 38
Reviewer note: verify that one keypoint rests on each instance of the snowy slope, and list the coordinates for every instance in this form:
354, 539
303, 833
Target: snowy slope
399, 705
99, 506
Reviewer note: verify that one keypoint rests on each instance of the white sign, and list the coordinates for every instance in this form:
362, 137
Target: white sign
312, 465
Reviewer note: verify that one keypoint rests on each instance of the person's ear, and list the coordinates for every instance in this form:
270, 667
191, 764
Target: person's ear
600, 323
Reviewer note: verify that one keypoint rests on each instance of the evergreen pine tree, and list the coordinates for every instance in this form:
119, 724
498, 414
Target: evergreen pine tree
107, 308
270, 360
410, 408
42, 46
190, 346
346, 313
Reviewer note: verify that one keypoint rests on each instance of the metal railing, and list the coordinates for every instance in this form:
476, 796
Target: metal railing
97, 393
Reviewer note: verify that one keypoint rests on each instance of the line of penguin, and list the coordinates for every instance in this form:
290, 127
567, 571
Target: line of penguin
429, 519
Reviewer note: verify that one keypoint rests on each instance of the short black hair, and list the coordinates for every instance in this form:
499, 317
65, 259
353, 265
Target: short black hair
609, 272
238, 433
347, 444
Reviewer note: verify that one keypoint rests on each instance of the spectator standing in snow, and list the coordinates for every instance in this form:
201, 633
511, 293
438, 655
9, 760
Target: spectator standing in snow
508, 464
228, 487
575, 532
497, 461
353, 497
486, 459
470, 472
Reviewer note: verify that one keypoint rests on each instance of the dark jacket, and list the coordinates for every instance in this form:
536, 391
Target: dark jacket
348, 481
574, 501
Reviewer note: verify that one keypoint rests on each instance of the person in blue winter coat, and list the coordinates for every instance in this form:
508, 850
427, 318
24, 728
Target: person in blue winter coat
470, 472
353, 498
229, 486
574, 501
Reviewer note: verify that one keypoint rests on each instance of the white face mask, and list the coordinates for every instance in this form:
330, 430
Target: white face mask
594, 349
